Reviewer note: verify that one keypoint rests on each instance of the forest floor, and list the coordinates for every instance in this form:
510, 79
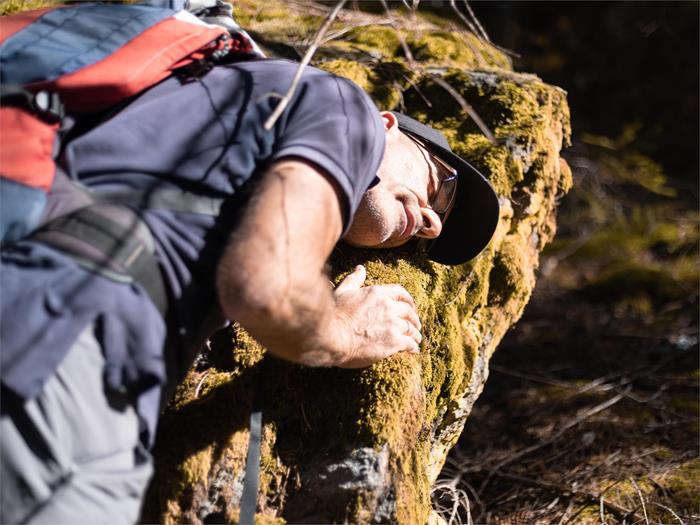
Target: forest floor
590, 414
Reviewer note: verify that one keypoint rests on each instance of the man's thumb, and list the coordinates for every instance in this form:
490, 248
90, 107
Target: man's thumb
354, 280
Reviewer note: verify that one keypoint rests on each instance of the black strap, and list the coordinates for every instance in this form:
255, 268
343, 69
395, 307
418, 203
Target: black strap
111, 240
176, 200
45, 104
249, 498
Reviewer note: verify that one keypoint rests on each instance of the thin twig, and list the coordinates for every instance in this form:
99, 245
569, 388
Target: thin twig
201, 382
479, 32
464, 19
574, 422
402, 40
482, 32
337, 34
588, 496
669, 510
568, 509
641, 498
466, 108
602, 511
284, 101
303, 415
458, 498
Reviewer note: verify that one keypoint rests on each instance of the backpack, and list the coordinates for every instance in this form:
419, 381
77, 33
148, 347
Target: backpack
84, 58
61, 63
57, 64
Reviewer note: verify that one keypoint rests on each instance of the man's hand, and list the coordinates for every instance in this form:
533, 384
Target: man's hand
271, 278
377, 321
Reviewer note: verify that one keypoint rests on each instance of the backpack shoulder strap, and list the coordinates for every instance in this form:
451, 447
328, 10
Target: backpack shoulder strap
170, 199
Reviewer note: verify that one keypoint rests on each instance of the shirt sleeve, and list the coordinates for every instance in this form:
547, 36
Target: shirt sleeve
334, 124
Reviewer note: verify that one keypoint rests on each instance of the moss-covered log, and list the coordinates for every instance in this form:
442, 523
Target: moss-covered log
366, 446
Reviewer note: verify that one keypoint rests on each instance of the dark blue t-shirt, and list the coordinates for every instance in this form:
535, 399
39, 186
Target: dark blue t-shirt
204, 135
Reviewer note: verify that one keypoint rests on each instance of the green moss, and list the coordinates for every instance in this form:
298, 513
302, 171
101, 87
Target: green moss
507, 279
384, 81
455, 48
495, 161
683, 486
380, 40
9, 7
248, 13
358, 73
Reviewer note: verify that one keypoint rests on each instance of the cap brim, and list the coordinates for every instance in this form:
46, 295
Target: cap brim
472, 221
474, 216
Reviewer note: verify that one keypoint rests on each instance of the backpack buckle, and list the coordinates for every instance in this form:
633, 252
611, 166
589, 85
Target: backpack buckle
46, 105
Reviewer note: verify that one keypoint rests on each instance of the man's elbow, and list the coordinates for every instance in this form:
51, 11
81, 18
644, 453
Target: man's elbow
244, 298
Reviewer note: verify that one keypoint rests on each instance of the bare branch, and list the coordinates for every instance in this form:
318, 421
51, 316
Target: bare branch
464, 19
479, 31
284, 101
482, 31
402, 40
467, 108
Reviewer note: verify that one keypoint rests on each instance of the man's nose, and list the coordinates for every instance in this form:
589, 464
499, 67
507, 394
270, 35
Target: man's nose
432, 226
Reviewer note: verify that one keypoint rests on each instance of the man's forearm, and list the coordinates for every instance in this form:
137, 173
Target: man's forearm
271, 276
297, 325
271, 279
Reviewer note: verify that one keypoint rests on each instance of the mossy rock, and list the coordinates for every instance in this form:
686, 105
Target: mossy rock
365, 446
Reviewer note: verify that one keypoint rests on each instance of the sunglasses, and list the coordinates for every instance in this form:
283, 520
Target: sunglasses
444, 197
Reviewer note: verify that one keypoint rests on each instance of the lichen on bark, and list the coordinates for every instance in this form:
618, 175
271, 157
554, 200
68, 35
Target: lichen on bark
365, 446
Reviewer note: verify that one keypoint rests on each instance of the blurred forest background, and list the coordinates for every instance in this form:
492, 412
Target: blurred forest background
590, 414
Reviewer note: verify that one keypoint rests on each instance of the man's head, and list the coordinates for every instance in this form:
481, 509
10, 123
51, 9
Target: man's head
418, 195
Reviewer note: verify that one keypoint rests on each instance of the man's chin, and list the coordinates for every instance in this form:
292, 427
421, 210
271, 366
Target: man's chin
383, 245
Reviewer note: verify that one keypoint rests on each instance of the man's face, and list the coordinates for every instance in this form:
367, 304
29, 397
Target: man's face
397, 208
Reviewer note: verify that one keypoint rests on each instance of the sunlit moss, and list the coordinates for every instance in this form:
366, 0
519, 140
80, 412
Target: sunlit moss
683, 486
358, 73
380, 40
455, 48
9, 7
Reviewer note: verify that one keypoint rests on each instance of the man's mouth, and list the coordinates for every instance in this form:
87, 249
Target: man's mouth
410, 229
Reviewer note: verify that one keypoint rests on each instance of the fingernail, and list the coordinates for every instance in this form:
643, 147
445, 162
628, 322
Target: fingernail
359, 267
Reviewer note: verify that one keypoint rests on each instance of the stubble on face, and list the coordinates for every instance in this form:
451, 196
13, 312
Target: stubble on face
374, 225
387, 208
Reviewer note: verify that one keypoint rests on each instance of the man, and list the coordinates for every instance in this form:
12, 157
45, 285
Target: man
87, 354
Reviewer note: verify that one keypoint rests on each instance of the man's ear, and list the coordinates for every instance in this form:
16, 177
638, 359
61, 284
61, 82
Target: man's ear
391, 124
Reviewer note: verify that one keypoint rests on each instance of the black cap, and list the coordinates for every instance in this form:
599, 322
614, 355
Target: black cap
474, 216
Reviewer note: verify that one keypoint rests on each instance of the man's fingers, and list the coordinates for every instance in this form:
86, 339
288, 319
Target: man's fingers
354, 280
409, 344
399, 293
408, 312
414, 334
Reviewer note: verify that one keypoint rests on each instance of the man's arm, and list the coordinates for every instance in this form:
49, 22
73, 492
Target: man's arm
271, 278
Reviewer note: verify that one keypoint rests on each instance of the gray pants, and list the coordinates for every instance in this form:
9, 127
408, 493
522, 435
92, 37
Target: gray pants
73, 454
